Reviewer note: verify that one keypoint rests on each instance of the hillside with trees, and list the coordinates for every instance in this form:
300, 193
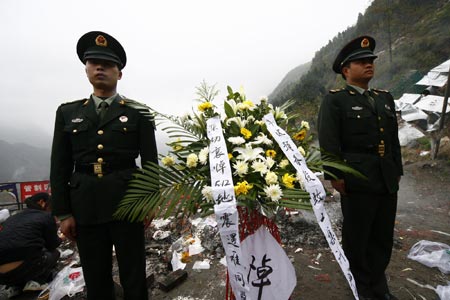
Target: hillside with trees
412, 37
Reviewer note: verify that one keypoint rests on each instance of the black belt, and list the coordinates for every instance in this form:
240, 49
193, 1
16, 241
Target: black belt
378, 150
101, 169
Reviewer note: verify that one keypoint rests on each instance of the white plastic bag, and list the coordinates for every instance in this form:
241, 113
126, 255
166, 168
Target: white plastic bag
4, 214
443, 291
68, 281
431, 254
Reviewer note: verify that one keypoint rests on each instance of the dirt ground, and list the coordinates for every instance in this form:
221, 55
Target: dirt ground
423, 214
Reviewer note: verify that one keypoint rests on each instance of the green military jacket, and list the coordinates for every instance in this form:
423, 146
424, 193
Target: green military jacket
363, 136
81, 141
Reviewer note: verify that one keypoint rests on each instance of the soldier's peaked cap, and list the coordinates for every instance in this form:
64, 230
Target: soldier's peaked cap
100, 45
359, 48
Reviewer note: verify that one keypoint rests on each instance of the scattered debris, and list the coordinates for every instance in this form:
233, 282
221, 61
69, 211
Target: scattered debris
431, 254
322, 277
223, 261
161, 235
314, 268
172, 280
425, 286
407, 269
201, 265
66, 253
440, 232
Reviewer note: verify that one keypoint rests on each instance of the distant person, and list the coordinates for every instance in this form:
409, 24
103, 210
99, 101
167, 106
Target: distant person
359, 125
28, 242
95, 144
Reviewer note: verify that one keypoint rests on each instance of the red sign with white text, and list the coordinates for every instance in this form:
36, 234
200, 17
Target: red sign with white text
28, 189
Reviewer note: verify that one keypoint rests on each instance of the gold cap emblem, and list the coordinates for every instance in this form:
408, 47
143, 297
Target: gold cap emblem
365, 43
101, 41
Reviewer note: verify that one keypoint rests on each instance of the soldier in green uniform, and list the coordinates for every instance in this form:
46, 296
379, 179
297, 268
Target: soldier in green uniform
359, 126
95, 144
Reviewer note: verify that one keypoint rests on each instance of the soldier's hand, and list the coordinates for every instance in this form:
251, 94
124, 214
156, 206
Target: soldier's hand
68, 228
339, 185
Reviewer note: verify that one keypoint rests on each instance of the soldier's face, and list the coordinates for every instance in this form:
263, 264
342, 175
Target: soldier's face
103, 74
359, 70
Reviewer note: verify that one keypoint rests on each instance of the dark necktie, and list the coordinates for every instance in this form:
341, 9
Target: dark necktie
369, 98
103, 107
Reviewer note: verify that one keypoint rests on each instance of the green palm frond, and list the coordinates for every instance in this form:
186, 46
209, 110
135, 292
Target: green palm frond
161, 193
326, 161
295, 199
189, 129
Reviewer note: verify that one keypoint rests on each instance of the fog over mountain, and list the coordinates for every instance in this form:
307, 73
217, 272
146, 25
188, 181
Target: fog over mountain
23, 162
25, 154
33, 136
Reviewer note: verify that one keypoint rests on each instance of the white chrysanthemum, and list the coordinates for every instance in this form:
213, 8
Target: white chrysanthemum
238, 120
250, 119
168, 161
240, 168
284, 163
301, 150
191, 160
248, 153
245, 105
305, 124
236, 140
207, 193
274, 192
203, 155
259, 122
259, 166
262, 139
269, 162
271, 178
300, 180
263, 98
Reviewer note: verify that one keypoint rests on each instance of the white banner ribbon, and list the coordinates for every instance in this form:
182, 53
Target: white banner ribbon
317, 195
225, 209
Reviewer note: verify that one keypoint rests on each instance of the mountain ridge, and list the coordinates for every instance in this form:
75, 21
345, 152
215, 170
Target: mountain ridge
414, 33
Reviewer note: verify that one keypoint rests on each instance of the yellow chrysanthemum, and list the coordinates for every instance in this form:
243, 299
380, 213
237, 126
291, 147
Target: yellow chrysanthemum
288, 180
242, 188
204, 106
300, 136
177, 147
248, 104
246, 133
271, 153
230, 156
168, 161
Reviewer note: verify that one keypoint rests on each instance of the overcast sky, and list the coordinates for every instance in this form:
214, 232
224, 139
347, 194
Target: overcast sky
171, 47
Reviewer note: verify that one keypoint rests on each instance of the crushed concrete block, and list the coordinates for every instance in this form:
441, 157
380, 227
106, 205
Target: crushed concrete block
172, 280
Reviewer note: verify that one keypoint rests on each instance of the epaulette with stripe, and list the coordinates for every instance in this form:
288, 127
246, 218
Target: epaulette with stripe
126, 101
337, 90
383, 91
75, 101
